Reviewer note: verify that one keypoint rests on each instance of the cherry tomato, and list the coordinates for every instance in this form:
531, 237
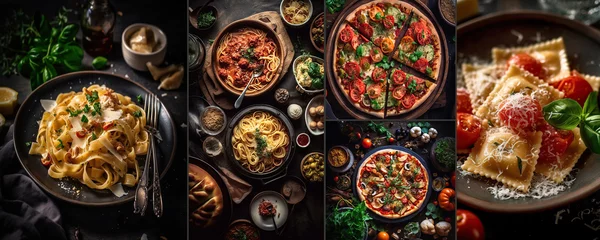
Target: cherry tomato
399, 92
554, 143
352, 70
346, 35
468, 128
376, 14
520, 113
421, 65
107, 125
423, 36
388, 22
376, 55
374, 91
435, 202
81, 134
336, 178
383, 236
399, 76
387, 45
408, 101
468, 226
355, 95
378, 41
406, 44
378, 74
575, 87
365, 63
391, 140
463, 101
46, 161
528, 63
366, 30
366, 143
359, 85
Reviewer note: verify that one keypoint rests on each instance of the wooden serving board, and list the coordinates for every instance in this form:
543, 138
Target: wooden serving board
214, 92
431, 102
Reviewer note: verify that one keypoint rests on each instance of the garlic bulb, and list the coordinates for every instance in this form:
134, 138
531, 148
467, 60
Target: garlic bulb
425, 138
427, 227
433, 132
415, 132
443, 228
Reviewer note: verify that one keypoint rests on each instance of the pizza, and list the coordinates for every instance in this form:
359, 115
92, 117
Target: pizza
419, 48
392, 183
365, 67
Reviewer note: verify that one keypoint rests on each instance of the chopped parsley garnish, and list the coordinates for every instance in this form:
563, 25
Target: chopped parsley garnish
248, 53
385, 63
97, 109
261, 144
94, 137
60, 144
92, 97
139, 98
412, 86
84, 119
445, 152
86, 108
74, 113
28, 144
137, 113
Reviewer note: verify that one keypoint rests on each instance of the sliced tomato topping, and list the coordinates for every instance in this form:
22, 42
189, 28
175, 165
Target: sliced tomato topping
519, 112
468, 129
378, 74
376, 55
352, 70
398, 77
355, 95
575, 87
366, 29
81, 134
423, 36
421, 65
376, 14
388, 22
365, 63
399, 92
355, 42
378, 41
359, 85
406, 44
346, 35
528, 63
374, 91
554, 143
107, 125
408, 101
387, 45
463, 101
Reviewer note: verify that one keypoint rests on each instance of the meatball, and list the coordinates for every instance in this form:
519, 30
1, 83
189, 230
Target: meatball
253, 41
222, 73
225, 60
243, 63
236, 56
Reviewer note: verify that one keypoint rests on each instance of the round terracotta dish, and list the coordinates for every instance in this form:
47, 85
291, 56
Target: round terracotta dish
248, 23
582, 42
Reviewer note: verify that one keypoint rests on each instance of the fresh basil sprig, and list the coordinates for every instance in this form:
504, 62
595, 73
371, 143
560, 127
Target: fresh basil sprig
567, 114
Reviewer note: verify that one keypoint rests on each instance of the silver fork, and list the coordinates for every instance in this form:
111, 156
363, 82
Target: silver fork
157, 202
141, 192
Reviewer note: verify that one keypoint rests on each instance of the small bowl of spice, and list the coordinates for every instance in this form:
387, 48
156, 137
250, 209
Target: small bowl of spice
303, 140
213, 120
203, 18
340, 159
448, 11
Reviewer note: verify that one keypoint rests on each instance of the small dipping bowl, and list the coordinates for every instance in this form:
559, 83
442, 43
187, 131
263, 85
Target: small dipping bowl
138, 60
293, 190
205, 129
212, 146
303, 140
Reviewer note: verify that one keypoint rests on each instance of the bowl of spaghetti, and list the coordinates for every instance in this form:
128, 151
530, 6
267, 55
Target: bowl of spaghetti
241, 48
296, 13
260, 141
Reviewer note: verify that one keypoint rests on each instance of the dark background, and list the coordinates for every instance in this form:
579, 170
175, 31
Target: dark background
579, 220
306, 222
449, 92
444, 128
119, 222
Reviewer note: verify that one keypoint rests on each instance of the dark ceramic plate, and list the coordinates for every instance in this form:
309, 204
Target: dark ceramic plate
222, 220
425, 165
477, 37
26, 128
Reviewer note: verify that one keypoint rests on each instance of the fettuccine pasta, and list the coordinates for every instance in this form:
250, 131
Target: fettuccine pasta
93, 136
260, 142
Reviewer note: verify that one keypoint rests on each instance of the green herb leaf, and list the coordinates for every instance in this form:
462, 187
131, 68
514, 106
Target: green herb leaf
139, 98
97, 109
84, 119
590, 133
206, 19
137, 114
68, 33
94, 137
563, 114
86, 108
99, 63
92, 97
60, 144
520, 165
590, 107
28, 144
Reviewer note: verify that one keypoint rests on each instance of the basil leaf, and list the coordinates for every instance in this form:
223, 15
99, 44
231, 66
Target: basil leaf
591, 105
48, 72
590, 134
72, 58
100, 62
563, 114
68, 33
37, 53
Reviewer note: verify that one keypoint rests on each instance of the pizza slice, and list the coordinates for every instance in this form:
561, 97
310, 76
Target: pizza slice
406, 92
381, 22
356, 72
420, 47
